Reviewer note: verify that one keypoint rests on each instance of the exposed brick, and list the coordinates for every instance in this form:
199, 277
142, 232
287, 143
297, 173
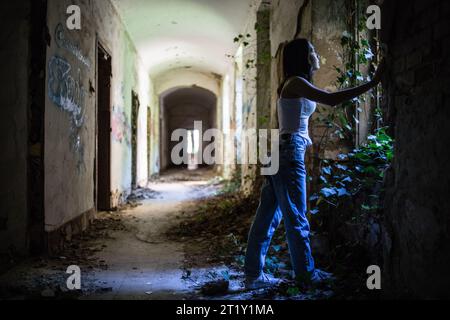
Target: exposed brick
433, 52
413, 60
423, 38
404, 48
418, 95
425, 73
399, 65
428, 17
444, 47
441, 29
405, 79
445, 9
421, 5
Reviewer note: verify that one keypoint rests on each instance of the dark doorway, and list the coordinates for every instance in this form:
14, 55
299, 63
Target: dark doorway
103, 156
134, 137
149, 140
180, 108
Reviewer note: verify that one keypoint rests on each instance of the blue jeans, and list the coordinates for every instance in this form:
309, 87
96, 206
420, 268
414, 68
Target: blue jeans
283, 196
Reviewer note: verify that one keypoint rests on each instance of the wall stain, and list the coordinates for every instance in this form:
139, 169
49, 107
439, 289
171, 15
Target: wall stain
121, 128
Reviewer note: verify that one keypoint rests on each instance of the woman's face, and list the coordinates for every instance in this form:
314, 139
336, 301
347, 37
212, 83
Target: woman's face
314, 58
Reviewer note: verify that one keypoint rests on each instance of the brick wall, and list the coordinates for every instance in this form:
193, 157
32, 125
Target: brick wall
417, 214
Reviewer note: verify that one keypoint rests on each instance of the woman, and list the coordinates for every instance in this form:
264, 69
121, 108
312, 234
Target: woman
284, 194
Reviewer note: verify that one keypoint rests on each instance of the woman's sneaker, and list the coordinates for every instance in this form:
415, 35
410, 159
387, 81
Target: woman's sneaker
317, 279
320, 276
263, 281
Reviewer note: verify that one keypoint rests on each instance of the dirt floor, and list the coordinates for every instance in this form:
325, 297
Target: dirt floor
139, 252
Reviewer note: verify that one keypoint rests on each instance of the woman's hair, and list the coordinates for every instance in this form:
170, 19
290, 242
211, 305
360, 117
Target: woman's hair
296, 61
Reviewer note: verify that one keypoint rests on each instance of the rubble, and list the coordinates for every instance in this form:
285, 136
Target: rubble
141, 194
46, 276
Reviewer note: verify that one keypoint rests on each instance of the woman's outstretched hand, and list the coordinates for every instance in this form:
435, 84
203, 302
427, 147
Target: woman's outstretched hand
380, 72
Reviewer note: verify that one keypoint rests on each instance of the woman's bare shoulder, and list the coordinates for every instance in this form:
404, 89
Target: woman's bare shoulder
292, 86
298, 81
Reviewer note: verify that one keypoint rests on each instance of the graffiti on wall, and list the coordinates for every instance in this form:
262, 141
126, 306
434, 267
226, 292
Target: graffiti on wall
62, 42
121, 127
67, 92
247, 107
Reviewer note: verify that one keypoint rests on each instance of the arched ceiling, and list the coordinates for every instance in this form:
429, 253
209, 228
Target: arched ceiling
194, 95
191, 34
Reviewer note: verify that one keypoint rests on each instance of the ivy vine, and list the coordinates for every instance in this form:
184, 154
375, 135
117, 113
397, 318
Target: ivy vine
357, 173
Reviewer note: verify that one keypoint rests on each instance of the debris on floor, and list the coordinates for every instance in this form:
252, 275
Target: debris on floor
141, 194
217, 226
213, 288
44, 278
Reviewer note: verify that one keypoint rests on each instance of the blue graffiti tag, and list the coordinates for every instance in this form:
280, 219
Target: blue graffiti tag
69, 95
63, 42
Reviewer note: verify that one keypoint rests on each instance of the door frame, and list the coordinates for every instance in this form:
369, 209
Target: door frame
100, 46
135, 110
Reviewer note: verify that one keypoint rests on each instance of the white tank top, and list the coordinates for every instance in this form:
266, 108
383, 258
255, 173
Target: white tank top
294, 114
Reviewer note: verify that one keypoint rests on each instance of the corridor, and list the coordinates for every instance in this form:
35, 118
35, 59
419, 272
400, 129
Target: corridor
138, 135
133, 259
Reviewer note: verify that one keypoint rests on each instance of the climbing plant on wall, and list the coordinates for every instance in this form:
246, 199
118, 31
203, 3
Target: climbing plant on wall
251, 59
359, 61
349, 189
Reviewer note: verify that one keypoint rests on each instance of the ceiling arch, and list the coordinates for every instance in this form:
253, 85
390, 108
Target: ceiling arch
177, 78
194, 34
189, 95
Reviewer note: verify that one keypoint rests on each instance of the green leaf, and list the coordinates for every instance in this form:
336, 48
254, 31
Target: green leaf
276, 248
225, 275
294, 291
371, 170
347, 179
342, 192
328, 192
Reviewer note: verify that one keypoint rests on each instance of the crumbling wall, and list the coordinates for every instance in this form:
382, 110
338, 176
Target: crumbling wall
128, 74
328, 23
70, 119
14, 54
283, 28
249, 100
417, 211
323, 23
226, 123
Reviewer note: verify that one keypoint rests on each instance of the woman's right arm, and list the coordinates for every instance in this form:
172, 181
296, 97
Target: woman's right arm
303, 88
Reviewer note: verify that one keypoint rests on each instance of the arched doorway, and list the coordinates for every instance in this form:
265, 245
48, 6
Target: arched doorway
180, 108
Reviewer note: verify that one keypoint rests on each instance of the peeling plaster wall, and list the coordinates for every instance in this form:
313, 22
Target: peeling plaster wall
225, 109
249, 96
70, 127
321, 22
283, 26
328, 25
129, 74
284, 22
14, 98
